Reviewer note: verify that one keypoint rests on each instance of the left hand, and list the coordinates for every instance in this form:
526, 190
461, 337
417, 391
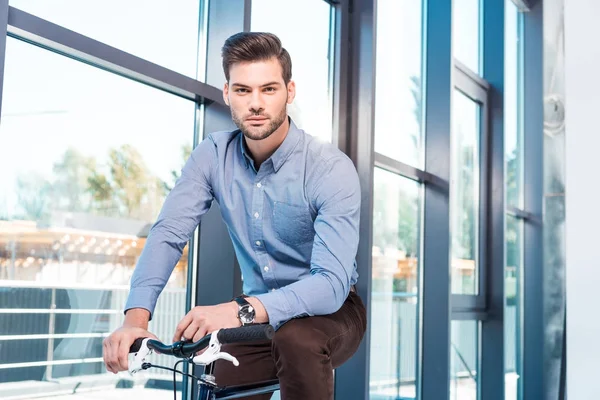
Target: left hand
203, 320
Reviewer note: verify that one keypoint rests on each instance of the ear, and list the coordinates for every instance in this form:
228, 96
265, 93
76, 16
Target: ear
226, 93
291, 91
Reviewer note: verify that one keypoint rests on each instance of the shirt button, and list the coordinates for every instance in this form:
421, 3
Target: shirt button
258, 242
259, 184
256, 215
266, 269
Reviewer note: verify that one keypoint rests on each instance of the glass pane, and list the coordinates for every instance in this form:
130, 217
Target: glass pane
84, 174
515, 198
513, 307
466, 31
311, 58
464, 194
398, 95
464, 360
396, 216
512, 109
140, 27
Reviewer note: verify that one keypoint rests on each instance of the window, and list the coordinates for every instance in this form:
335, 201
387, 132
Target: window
310, 50
466, 32
512, 312
394, 320
513, 284
464, 360
88, 158
140, 27
464, 194
512, 117
399, 110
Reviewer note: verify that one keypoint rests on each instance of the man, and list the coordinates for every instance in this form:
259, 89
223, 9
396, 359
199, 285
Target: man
291, 204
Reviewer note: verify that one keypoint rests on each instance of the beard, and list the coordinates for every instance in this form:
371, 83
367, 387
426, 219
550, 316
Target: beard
262, 131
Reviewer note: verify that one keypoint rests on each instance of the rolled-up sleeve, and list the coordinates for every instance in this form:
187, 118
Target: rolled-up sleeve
335, 194
190, 198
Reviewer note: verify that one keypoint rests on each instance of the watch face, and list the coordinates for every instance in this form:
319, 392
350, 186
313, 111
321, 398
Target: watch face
247, 314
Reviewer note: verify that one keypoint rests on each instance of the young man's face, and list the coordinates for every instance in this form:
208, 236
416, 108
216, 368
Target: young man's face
258, 96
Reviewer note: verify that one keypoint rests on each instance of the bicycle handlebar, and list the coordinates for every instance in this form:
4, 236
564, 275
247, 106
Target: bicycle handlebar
250, 333
181, 349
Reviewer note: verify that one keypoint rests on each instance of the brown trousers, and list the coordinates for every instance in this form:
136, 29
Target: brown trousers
302, 354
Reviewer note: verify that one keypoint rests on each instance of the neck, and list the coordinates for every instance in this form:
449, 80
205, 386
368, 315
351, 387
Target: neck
263, 149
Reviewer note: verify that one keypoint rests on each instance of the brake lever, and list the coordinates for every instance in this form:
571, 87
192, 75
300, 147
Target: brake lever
139, 358
214, 353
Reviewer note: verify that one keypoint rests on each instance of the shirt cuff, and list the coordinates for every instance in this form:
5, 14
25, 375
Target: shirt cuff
142, 297
277, 307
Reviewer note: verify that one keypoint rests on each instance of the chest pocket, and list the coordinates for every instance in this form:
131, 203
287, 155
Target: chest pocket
292, 224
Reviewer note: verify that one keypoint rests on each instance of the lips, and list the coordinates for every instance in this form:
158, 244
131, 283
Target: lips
256, 119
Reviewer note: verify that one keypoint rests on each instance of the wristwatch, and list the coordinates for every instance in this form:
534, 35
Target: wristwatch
246, 313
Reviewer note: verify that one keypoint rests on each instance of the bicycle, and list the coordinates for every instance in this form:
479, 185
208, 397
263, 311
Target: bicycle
186, 351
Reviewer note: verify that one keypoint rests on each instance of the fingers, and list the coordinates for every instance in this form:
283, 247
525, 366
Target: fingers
200, 333
191, 330
115, 348
105, 355
109, 355
122, 361
182, 326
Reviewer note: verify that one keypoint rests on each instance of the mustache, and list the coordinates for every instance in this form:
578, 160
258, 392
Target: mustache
257, 114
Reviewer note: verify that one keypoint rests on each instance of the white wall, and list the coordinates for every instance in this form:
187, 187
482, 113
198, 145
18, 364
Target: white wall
582, 78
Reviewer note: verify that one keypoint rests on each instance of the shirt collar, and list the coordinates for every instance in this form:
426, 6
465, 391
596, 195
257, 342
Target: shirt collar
282, 153
287, 147
247, 159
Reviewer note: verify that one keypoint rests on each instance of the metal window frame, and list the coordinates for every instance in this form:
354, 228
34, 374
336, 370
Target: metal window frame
533, 120
476, 307
492, 380
518, 213
356, 45
340, 74
405, 170
3, 37
53, 37
476, 89
435, 310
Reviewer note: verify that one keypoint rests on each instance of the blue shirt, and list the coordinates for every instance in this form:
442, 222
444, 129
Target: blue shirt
294, 223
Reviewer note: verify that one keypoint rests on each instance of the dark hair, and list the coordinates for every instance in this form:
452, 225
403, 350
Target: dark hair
255, 46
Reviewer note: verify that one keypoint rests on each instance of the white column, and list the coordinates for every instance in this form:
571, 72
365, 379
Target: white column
582, 65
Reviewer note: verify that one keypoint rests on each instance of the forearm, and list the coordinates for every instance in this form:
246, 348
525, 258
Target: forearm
137, 317
319, 294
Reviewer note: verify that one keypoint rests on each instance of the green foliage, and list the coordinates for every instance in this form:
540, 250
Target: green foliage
124, 187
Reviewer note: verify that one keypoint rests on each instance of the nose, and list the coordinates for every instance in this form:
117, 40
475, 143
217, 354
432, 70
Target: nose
256, 103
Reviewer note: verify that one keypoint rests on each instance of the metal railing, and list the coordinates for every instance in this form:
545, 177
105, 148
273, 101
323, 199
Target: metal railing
49, 332
44, 326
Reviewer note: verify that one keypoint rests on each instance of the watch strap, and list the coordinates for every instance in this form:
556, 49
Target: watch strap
241, 300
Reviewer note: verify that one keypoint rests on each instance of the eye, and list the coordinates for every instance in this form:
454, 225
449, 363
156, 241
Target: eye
270, 89
241, 90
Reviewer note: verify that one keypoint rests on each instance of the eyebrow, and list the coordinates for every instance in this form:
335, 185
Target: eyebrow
274, 83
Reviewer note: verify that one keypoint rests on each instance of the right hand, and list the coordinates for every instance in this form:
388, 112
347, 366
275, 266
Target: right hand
115, 348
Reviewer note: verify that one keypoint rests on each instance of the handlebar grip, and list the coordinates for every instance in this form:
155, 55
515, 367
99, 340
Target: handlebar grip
137, 344
250, 333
